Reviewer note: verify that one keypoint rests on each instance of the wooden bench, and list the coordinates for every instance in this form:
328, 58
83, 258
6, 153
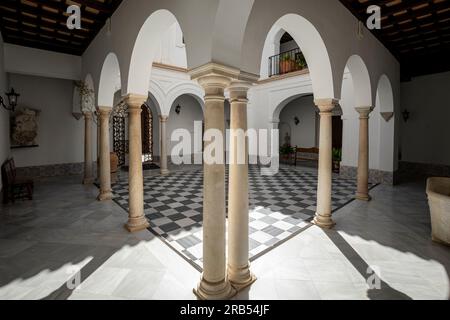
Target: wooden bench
306, 154
14, 187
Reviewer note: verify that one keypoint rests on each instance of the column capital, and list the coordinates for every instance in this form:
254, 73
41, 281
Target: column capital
104, 111
163, 118
326, 105
88, 114
135, 101
214, 69
364, 112
238, 91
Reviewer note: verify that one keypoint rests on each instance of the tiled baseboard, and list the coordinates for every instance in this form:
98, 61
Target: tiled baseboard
375, 176
53, 170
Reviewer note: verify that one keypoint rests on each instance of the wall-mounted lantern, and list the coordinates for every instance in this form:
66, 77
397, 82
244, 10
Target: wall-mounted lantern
296, 121
178, 109
13, 97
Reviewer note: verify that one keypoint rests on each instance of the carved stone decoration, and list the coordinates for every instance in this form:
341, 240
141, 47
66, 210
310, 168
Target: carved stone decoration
24, 128
387, 115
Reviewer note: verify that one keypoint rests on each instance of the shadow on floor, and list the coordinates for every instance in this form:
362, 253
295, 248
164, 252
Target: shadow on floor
385, 292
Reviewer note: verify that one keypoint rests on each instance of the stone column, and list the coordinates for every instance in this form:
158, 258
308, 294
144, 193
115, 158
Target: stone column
323, 214
238, 199
105, 164
214, 284
362, 192
136, 218
163, 135
88, 165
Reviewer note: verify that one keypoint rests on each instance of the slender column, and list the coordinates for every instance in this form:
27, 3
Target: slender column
362, 192
105, 164
88, 169
214, 284
323, 214
238, 198
163, 130
136, 217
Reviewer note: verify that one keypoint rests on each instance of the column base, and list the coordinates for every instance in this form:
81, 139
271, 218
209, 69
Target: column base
240, 282
324, 222
105, 196
214, 291
137, 224
87, 181
165, 172
363, 197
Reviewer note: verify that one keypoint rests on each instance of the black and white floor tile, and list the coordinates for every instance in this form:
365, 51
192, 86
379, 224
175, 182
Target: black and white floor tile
280, 207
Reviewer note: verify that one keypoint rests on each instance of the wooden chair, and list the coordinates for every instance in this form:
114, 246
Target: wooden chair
306, 154
14, 187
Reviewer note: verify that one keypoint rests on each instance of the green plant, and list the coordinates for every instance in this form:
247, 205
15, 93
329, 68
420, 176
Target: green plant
286, 57
287, 150
337, 154
301, 61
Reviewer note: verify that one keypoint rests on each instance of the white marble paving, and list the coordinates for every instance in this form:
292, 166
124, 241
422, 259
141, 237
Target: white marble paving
44, 242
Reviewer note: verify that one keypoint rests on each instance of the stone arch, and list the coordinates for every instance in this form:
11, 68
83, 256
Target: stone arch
110, 81
89, 102
144, 50
190, 89
280, 105
361, 81
313, 47
385, 106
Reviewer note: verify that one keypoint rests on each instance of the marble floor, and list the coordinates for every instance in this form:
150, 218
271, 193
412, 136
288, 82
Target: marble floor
65, 237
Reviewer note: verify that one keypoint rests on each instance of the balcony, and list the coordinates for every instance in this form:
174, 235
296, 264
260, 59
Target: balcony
287, 62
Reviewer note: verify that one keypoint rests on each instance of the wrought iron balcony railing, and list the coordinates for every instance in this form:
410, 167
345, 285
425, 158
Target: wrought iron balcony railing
287, 62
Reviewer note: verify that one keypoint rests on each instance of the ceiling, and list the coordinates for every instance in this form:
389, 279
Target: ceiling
417, 32
42, 23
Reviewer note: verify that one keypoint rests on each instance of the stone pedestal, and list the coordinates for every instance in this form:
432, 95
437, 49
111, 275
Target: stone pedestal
136, 218
105, 165
323, 214
88, 164
362, 192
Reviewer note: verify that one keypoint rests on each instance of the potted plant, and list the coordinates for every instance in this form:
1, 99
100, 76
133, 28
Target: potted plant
337, 158
287, 64
286, 152
301, 61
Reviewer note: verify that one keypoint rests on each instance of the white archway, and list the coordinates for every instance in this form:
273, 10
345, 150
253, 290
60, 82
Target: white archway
88, 102
110, 81
385, 107
191, 89
357, 92
280, 106
271, 48
313, 47
361, 81
146, 46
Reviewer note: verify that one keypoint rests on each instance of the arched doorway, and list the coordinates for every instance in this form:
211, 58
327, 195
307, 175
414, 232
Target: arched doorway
120, 137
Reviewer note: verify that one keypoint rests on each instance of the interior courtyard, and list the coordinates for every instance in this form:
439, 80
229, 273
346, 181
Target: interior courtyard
224, 150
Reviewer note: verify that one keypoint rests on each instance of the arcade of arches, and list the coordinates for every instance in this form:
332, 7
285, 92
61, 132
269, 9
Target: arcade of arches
304, 216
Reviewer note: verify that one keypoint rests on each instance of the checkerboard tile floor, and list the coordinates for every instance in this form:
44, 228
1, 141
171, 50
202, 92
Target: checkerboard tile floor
280, 207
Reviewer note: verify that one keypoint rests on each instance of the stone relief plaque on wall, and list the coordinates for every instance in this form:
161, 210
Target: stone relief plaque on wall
24, 128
